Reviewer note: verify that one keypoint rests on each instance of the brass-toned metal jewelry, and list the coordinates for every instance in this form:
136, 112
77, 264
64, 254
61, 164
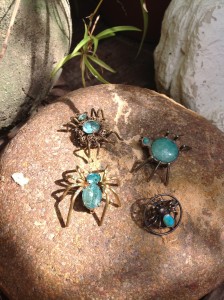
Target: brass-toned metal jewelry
162, 214
163, 151
90, 132
94, 186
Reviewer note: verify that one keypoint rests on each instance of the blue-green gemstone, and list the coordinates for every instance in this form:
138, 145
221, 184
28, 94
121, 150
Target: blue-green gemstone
82, 117
164, 150
91, 126
168, 220
93, 178
91, 196
146, 141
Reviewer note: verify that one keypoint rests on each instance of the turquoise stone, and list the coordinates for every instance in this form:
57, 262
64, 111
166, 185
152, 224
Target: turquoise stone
146, 141
164, 150
168, 220
91, 126
82, 117
93, 178
91, 196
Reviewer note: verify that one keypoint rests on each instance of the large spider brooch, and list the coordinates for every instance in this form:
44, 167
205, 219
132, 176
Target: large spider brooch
162, 214
93, 187
162, 152
90, 131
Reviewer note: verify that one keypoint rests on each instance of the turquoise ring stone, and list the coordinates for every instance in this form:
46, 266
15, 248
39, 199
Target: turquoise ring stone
164, 150
91, 196
168, 220
91, 126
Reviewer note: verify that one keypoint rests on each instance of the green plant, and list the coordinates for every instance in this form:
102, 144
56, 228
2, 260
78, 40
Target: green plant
87, 47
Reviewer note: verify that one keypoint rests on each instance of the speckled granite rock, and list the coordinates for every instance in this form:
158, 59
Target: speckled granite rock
39, 259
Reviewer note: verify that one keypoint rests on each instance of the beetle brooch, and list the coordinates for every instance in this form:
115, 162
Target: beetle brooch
93, 187
90, 131
162, 151
162, 214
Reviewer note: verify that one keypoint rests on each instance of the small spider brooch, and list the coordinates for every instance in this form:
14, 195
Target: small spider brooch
162, 151
162, 214
90, 131
93, 187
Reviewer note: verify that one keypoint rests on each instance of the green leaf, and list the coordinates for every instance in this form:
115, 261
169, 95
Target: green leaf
94, 71
111, 31
83, 68
81, 44
95, 44
101, 63
145, 24
62, 62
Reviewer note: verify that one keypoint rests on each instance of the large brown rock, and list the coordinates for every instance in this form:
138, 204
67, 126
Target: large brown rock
40, 259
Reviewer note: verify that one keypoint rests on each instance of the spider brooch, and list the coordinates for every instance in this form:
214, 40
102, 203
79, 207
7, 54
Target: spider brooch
90, 131
162, 151
162, 214
93, 187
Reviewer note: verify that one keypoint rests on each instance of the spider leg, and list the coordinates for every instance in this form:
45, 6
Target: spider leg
81, 173
105, 209
117, 135
93, 112
87, 149
67, 191
115, 195
141, 163
102, 114
154, 171
98, 149
167, 174
71, 124
72, 205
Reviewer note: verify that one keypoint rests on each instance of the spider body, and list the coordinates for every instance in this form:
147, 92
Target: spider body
90, 131
162, 214
94, 188
163, 151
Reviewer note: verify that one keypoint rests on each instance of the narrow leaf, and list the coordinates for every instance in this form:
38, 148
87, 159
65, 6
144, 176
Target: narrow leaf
95, 44
94, 71
111, 31
62, 62
145, 24
81, 44
101, 63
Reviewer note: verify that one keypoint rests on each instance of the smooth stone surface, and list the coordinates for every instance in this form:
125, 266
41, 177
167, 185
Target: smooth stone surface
189, 58
168, 220
93, 178
91, 196
164, 150
40, 259
91, 127
40, 37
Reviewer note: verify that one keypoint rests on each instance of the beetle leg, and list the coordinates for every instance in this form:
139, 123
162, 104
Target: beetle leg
141, 164
167, 174
185, 148
154, 171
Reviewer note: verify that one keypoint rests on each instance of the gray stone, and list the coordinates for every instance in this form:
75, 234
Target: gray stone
40, 37
189, 57
40, 259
